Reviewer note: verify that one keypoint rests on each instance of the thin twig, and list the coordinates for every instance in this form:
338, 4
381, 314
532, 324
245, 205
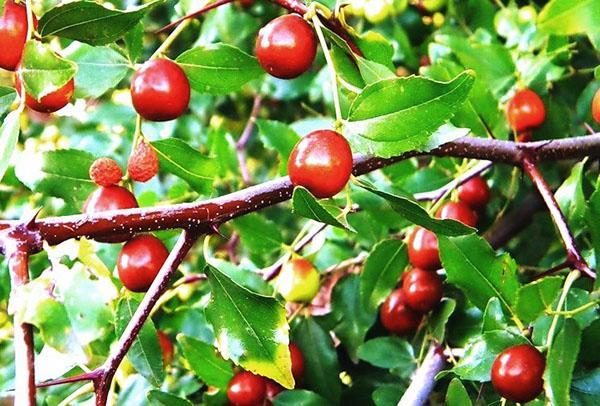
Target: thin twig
435, 195
241, 144
195, 14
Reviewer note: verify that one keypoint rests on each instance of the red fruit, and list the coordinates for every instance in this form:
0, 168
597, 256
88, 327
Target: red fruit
397, 317
525, 110
286, 47
596, 106
105, 172
458, 211
525, 136
143, 163
109, 198
166, 347
247, 389
297, 361
424, 61
140, 260
246, 3
160, 91
273, 389
422, 289
51, 102
423, 249
474, 192
517, 373
321, 162
13, 34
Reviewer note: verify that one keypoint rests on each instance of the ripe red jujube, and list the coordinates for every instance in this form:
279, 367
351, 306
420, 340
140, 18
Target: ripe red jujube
458, 211
51, 102
321, 162
397, 317
596, 106
525, 110
297, 361
517, 373
13, 34
140, 260
422, 289
160, 91
475, 192
166, 346
247, 389
286, 47
423, 251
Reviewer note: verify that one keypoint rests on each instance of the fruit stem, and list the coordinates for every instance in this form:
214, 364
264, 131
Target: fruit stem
332, 72
571, 278
170, 39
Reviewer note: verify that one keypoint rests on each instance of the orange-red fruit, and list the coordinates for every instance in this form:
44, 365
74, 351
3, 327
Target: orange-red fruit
475, 192
596, 106
297, 361
397, 317
166, 347
525, 136
423, 251
143, 163
160, 91
286, 47
247, 389
51, 102
458, 211
13, 34
140, 260
105, 172
109, 198
321, 162
525, 110
517, 373
422, 289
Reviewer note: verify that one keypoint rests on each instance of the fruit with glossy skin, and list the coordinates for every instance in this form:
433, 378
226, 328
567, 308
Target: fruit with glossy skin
475, 192
105, 172
525, 110
397, 317
166, 346
517, 373
458, 211
596, 106
423, 251
143, 163
297, 361
247, 389
139, 261
160, 91
13, 34
273, 389
51, 102
286, 47
298, 281
321, 162
422, 289
109, 198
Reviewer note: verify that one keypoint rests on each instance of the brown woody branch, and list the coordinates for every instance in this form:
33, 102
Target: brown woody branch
423, 380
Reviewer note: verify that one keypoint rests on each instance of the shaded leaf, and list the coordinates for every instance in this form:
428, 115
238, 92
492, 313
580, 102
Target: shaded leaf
560, 363
306, 205
205, 362
299, 397
388, 352
535, 297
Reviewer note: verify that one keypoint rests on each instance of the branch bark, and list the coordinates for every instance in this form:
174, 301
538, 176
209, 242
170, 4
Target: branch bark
423, 380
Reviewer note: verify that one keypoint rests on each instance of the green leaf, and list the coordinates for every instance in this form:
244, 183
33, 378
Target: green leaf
354, 319
145, 354
569, 17
43, 71
406, 110
218, 68
493, 316
7, 98
9, 136
279, 137
535, 297
250, 329
47, 173
205, 362
571, 198
90, 22
134, 40
299, 397
158, 398
481, 353
472, 265
384, 266
180, 159
321, 370
560, 363
414, 213
372, 71
457, 394
100, 69
306, 205
261, 236
388, 352
439, 318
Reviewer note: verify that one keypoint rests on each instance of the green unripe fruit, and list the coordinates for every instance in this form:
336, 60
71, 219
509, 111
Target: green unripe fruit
527, 14
298, 281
